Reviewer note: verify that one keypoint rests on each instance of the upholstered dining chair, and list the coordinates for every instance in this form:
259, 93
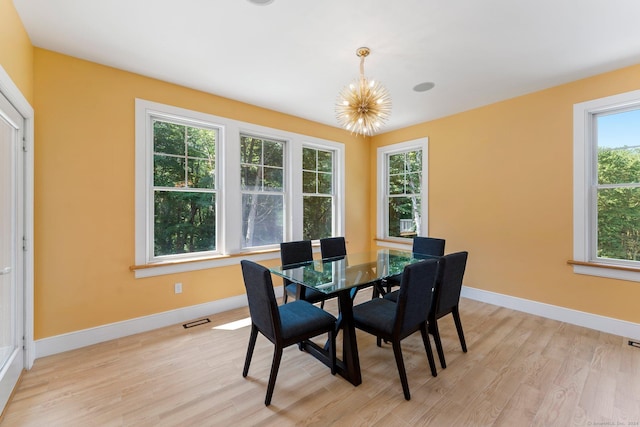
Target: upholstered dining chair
295, 253
395, 321
446, 299
423, 246
333, 247
283, 325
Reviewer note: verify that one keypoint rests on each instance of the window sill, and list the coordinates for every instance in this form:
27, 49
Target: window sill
192, 264
606, 270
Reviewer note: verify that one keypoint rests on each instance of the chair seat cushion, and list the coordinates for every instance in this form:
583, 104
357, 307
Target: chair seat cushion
378, 314
392, 296
310, 294
301, 318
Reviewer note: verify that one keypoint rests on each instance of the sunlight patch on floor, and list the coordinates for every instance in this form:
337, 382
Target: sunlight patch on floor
232, 326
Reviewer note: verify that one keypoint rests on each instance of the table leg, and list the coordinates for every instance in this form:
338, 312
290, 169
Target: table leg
350, 360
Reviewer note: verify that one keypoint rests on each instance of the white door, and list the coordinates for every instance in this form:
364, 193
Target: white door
11, 258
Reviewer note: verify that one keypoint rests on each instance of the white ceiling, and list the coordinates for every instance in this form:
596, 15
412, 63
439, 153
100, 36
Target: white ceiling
294, 56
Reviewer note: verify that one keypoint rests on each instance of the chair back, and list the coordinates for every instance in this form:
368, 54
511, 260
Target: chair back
295, 252
332, 247
415, 295
449, 283
428, 246
263, 306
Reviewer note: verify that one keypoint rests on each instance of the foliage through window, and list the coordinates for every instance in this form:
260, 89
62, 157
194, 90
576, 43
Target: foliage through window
262, 186
184, 188
318, 195
402, 190
618, 185
207, 187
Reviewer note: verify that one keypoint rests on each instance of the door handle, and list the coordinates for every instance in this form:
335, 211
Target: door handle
5, 270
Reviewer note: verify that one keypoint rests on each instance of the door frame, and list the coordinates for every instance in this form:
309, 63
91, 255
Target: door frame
10, 91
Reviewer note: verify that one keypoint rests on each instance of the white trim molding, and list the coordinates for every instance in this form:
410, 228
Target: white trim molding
562, 314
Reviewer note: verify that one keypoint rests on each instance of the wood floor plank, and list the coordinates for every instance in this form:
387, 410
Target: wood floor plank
520, 370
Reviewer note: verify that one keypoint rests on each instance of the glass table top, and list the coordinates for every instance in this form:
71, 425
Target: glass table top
335, 274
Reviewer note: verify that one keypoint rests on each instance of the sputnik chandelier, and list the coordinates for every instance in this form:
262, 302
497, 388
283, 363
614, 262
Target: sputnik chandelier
364, 105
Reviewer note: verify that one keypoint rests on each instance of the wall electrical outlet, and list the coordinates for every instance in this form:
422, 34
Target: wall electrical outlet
177, 288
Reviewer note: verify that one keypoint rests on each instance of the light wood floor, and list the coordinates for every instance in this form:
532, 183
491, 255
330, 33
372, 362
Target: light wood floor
520, 370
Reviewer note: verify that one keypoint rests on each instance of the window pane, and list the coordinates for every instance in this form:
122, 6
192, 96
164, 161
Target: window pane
619, 223
273, 179
250, 178
250, 150
273, 153
184, 222
404, 216
309, 159
168, 138
325, 183
413, 183
396, 164
317, 217
262, 216
201, 174
325, 161
201, 143
414, 161
168, 171
396, 184
618, 142
308, 182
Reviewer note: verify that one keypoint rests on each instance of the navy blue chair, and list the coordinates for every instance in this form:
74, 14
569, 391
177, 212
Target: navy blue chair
333, 247
394, 321
422, 246
283, 325
446, 299
295, 253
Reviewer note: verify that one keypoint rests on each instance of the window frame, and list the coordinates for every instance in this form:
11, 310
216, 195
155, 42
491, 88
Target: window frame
335, 226
229, 199
382, 177
584, 186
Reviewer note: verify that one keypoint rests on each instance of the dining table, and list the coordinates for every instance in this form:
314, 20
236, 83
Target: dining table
342, 277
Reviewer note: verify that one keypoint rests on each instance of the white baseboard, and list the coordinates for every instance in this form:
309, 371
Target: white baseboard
574, 317
73, 340
65, 342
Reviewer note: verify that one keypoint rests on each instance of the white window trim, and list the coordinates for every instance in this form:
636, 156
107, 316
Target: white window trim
229, 198
584, 210
381, 223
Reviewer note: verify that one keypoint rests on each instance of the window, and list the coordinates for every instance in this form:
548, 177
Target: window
607, 185
402, 190
262, 186
209, 187
318, 198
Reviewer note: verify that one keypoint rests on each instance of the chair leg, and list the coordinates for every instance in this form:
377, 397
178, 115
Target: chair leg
332, 350
252, 344
427, 347
433, 329
285, 296
456, 319
403, 374
277, 355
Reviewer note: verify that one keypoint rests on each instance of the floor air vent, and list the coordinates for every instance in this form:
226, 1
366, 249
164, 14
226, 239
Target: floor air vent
196, 323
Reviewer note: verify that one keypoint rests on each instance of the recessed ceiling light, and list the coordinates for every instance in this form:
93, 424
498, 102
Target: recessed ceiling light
423, 87
261, 2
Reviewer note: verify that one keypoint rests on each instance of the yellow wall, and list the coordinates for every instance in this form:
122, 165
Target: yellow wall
501, 187
16, 52
84, 194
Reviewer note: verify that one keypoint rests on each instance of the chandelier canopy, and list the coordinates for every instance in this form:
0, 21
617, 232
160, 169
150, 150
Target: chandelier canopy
365, 105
